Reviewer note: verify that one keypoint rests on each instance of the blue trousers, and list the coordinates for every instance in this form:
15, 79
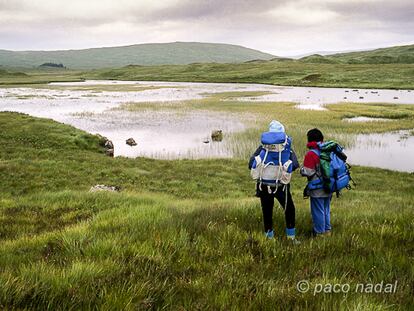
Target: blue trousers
321, 214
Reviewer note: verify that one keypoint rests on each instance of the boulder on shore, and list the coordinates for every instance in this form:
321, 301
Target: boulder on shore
107, 145
109, 152
98, 188
109, 148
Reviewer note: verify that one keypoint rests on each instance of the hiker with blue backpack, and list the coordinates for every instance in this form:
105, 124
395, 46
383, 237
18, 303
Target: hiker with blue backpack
327, 172
271, 167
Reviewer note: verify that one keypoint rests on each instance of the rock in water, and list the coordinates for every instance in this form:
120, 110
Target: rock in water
104, 188
109, 144
131, 142
217, 135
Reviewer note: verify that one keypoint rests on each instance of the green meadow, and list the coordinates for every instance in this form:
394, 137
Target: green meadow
187, 234
28, 77
278, 72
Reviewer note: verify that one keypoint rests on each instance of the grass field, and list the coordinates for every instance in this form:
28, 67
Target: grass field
37, 77
187, 234
292, 73
276, 72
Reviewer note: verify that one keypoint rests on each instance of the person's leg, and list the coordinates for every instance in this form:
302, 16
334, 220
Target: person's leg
318, 214
267, 202
284, 197
327, 207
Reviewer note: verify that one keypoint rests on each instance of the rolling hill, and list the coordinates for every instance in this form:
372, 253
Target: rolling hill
177, 53
184, 53
8, 74
391, 55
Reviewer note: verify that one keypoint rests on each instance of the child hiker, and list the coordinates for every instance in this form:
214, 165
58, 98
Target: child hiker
320, 199
327, 172
271, 166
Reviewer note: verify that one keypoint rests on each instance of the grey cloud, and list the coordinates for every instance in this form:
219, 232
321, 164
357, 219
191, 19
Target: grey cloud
385, 11
8, 5
216, 8
275, 26
216, 12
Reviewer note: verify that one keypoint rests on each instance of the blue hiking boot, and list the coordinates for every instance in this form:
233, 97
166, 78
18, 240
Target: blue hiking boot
269, 234
291, 236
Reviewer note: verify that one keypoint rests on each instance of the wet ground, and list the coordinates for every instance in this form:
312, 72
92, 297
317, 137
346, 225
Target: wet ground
92, 106
163, 134
393, 151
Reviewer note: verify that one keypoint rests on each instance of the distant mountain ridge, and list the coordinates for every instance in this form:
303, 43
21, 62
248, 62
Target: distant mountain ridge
176, 53
184, 53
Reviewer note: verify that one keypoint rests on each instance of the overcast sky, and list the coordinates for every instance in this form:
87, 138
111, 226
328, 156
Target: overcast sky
280, 27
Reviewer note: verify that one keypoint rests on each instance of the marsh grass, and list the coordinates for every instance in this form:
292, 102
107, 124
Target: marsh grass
187, 234
111, 87
236, 94
257, 115
172, 106
84, 114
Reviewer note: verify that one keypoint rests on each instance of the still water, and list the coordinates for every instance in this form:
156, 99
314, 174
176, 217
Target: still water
94, 106
393, 151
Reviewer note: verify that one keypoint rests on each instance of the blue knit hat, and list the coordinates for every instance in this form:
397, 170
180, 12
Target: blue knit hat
276, 126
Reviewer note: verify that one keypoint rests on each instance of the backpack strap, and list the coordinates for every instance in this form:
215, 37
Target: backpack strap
262, 168
316, 151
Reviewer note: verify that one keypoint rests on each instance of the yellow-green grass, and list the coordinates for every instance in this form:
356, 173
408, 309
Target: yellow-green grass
187, 234
40, 77
276, 72
394, 76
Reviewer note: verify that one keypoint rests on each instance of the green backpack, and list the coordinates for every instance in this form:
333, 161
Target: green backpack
334, 169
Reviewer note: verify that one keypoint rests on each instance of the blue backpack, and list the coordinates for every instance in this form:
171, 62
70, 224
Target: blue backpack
273, 165
335, 171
